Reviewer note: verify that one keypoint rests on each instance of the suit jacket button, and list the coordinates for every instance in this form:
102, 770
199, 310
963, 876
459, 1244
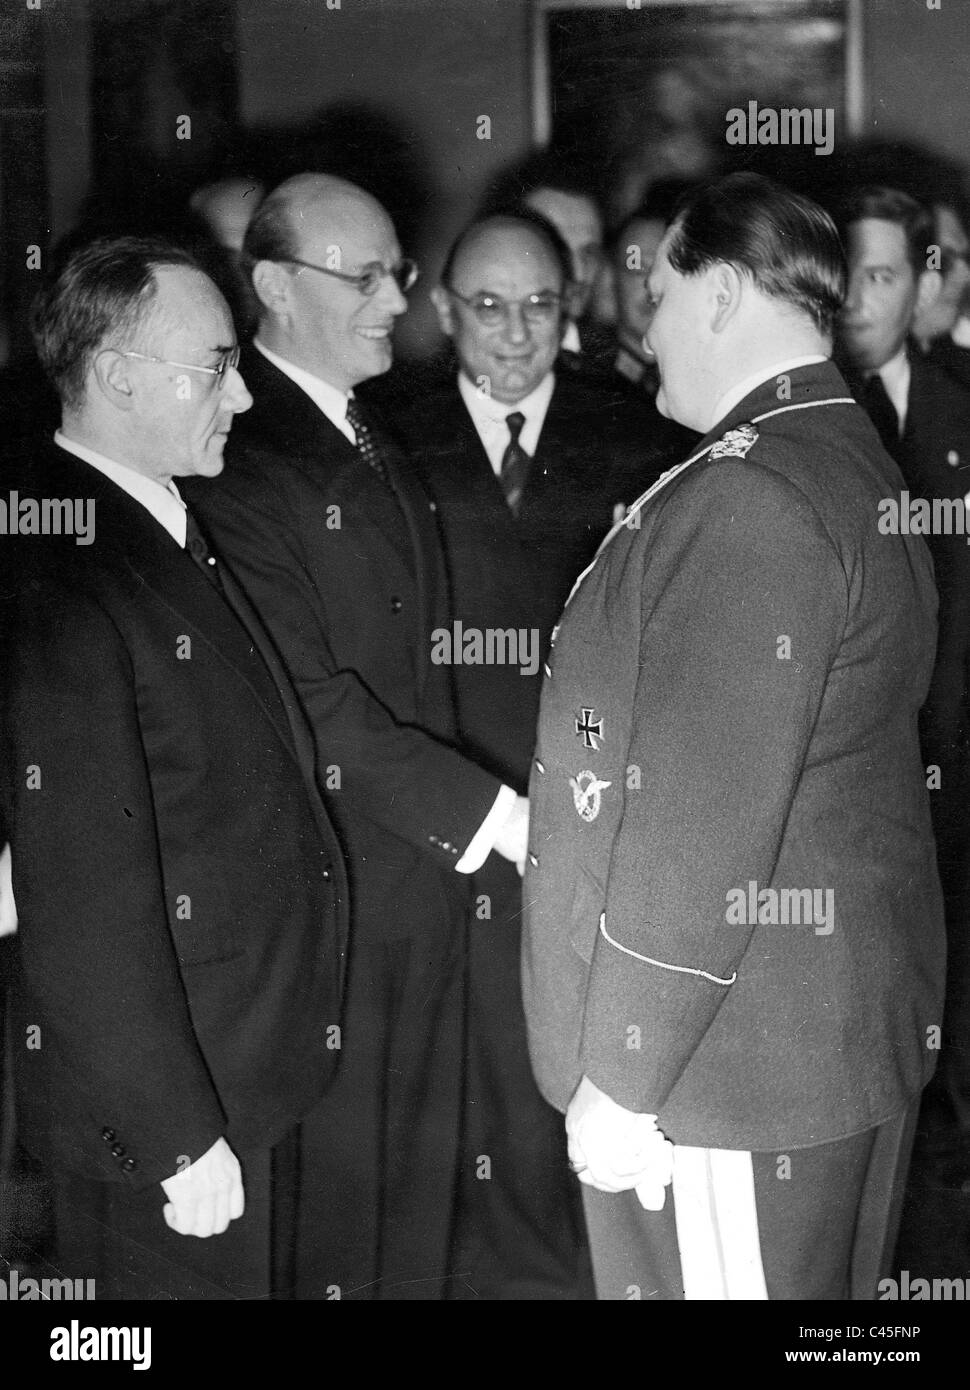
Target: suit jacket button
118, 1150
129, 1165
953, 458
396, 605
533, 860
108, 1135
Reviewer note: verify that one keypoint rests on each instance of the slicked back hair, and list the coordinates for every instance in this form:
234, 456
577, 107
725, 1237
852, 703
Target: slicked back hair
95, 296
893, 205
524, 217
785, 244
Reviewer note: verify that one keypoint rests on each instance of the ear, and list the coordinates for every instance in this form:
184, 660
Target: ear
725, 289
442, 304
271, 282
928, 288
112, 375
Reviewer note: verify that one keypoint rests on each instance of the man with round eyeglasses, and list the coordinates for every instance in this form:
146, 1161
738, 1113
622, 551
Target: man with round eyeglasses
526, 463
337, 543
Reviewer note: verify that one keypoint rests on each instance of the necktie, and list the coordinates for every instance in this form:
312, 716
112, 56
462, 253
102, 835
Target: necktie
882, 412
367, 444
198, 548
220, 578
515, 463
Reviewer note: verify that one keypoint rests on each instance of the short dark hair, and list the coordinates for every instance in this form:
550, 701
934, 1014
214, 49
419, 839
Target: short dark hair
661, 203
783, 242
525, 217
543, 168
893, 205
104, 287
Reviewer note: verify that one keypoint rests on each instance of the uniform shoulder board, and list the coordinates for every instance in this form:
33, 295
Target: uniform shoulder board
735, 443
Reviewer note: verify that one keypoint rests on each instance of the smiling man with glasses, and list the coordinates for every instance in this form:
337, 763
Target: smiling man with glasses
527, 463
328, 527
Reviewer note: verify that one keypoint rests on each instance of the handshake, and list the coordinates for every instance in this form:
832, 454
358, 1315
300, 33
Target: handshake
614, 1149
512, 839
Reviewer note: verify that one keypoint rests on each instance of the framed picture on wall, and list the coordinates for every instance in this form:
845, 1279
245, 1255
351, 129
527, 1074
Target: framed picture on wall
633, 90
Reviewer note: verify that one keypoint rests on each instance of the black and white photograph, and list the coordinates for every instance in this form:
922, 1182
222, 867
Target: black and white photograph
485, 665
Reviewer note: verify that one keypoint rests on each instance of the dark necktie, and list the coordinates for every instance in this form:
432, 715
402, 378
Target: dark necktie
236, 601
882, 412
198, 547
515, 463
367, 444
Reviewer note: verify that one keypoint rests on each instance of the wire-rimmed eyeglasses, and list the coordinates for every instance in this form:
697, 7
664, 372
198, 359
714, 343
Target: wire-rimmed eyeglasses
367, 281
227, 359
491, 310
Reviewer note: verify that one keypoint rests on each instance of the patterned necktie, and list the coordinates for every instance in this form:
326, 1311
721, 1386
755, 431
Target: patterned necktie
881, 411
367, 445
515, 463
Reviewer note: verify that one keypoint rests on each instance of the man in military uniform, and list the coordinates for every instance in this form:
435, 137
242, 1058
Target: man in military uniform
733, 961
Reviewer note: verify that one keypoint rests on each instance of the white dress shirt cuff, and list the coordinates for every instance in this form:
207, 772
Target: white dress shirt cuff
484, 839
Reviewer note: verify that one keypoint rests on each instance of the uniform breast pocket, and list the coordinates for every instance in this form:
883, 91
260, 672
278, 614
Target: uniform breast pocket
589, 903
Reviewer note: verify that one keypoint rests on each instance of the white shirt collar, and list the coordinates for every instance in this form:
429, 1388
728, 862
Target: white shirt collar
489, 417
329, 399
896, 374
162, 500
744, 388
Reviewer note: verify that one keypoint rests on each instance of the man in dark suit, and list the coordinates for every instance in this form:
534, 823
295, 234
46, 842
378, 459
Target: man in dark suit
520, 517
179, 887
923, 415
734, 953
336, 542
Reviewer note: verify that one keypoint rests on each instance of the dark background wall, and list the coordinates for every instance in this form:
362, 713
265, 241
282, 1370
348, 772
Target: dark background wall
405, 79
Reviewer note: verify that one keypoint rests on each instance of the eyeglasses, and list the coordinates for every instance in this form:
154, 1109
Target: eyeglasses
491, 311
227, 359
368, 280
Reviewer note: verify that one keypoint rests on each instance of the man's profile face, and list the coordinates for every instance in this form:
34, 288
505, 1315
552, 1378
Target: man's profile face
882, 296
577, 220
678, 337
635, 255
344, 336
508, 360
183, 417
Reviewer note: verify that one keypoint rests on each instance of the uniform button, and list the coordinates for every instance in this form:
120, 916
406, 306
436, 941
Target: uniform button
533, 860
118, 1150
539, 766
326, 875
432, 506
953, 458
108, 1135
396, 605
129, 1165
546, 668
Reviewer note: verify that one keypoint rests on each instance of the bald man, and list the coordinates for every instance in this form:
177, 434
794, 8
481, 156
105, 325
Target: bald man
526, 464
337, 544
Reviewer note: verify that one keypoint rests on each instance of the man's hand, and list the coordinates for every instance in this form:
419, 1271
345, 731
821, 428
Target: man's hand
512, 841
615, 1149
204, 1198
